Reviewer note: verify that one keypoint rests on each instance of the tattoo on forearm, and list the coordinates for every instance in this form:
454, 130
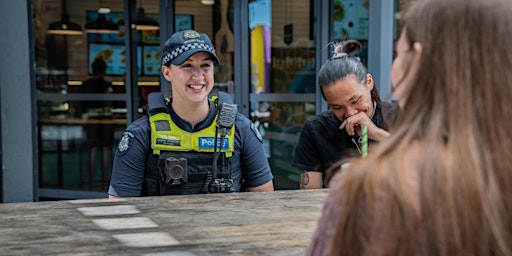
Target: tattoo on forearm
304, 179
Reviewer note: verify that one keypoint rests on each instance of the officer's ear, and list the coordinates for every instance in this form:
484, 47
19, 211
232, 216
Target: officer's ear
166, 71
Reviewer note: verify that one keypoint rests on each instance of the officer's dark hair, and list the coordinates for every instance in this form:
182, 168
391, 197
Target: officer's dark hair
344, 64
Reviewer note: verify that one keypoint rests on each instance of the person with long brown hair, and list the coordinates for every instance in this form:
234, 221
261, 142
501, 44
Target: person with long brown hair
441, 183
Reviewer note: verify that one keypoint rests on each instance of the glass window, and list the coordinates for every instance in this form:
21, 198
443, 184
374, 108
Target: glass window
350, 21
282, 72
81, 88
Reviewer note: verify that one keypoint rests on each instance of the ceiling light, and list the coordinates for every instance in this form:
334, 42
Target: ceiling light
64, 26
104, 10
208, 2
101, 25
144, 22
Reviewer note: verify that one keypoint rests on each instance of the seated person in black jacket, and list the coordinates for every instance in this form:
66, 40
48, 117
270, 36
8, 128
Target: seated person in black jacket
328, 138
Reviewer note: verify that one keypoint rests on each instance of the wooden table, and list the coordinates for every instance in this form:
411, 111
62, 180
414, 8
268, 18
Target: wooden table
266, 223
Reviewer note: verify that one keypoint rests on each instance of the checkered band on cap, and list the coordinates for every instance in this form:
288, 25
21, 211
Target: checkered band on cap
184, 48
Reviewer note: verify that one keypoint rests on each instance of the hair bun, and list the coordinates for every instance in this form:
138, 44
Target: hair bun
346, 48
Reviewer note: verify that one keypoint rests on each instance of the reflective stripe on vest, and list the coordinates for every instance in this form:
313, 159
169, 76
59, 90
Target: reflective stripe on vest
167, 136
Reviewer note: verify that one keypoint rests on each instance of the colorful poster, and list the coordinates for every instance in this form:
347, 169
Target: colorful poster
350, 19
183, 22
115, 57
116, 17
260, 13
151, 36
152, 60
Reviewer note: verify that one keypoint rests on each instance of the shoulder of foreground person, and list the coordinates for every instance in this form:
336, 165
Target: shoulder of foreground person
323, 237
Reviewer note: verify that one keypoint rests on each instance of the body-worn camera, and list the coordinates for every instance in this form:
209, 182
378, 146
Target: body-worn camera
175, 171
221, 186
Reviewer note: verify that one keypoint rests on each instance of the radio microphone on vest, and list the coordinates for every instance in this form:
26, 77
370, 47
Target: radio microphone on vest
225, 121
227, 115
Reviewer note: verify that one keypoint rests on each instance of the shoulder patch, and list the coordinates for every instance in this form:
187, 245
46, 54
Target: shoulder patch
125, 143
256, 132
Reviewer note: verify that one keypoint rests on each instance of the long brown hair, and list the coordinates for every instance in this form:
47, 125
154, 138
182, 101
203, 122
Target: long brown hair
442, 183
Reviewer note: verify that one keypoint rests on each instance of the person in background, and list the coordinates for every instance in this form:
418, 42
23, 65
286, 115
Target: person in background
99, 137
440, 184
173, 149
335, 134
97, 83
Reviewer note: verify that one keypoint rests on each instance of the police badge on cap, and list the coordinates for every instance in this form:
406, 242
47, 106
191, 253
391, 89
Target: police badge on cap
190, 34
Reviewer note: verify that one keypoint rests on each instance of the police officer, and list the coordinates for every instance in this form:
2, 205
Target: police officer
173, 149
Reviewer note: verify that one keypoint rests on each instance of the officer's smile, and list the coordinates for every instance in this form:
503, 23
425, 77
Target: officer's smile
196, 86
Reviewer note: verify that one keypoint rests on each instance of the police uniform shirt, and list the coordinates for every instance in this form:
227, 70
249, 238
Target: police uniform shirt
248, 161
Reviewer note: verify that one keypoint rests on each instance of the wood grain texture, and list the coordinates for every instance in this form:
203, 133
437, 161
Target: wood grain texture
267, 223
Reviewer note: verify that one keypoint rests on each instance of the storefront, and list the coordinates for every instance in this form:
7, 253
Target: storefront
58, 139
